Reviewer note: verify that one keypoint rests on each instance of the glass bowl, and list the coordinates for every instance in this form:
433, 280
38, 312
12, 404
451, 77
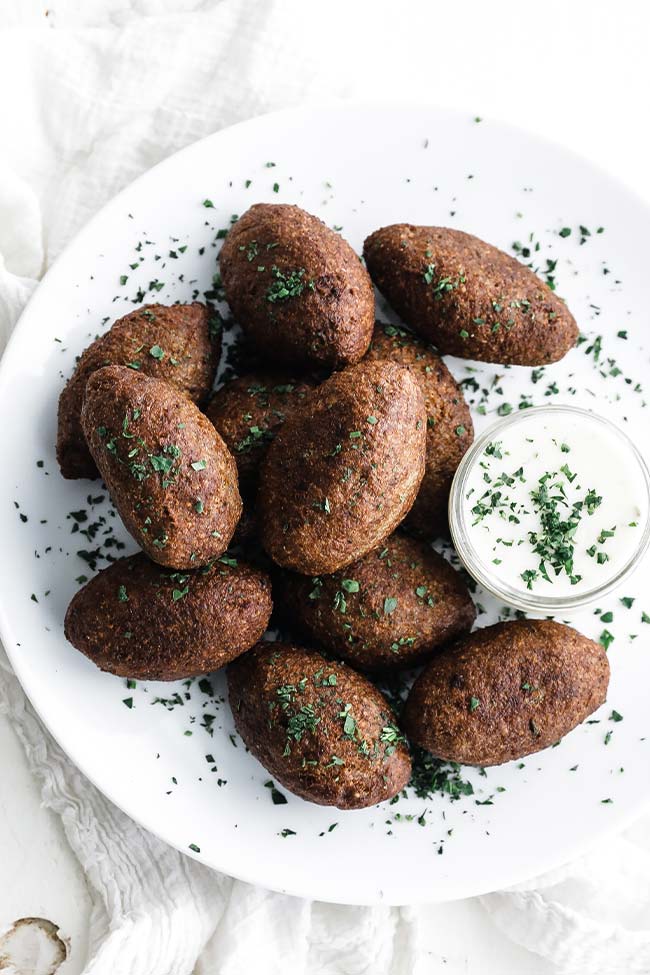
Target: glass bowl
461, 527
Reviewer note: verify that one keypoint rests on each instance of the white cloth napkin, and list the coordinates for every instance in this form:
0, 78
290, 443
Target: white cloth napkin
116, 86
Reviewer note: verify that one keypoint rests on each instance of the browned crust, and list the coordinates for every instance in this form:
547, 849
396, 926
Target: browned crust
392, 609
191, 348
480, 303
333, 762
534, 681
247, 412
329, 323
335, 483
182, 516
137, 620
449, 423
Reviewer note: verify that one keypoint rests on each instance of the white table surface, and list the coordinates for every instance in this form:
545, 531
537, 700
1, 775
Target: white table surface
577, 72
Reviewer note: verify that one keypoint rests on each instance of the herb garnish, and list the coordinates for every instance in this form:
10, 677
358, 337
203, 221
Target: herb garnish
287, 284
442, 285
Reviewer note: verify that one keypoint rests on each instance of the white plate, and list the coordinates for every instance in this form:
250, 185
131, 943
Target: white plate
358, 168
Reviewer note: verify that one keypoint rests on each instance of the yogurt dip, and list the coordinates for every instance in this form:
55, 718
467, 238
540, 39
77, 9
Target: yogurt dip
550, 508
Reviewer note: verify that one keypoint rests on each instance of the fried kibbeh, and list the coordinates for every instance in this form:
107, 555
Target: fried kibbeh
179, 343
467, 297
138, 620
297, 289
343, 470
393, 609
449, 423
248, 411
169, 473
506, 691
320, 729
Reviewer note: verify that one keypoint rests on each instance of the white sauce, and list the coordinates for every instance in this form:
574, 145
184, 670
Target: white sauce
566, 468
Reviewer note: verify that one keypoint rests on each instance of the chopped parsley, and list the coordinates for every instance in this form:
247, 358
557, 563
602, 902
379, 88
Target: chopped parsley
287, 284
441, 285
